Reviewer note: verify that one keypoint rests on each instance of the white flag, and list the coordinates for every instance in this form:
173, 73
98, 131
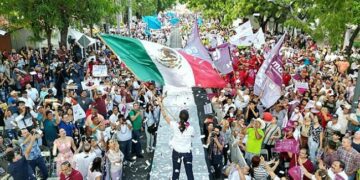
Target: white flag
244, 30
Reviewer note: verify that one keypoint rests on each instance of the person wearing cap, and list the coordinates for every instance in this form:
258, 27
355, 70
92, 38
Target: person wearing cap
347, 119
256, 136
332, 126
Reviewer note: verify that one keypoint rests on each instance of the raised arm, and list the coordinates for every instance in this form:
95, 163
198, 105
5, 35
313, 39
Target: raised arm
163, 112
29, 147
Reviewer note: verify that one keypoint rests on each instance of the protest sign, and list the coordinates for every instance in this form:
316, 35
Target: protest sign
90, 84
78, 112
99, 71
208, 108
301, 86
287, 145
295, 172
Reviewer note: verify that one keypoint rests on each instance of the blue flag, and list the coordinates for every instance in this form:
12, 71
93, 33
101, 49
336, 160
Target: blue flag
174, 21
199, 21
152, 22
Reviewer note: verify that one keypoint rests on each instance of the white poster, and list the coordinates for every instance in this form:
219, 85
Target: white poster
79, 113
208, 108
301, 85
99, 71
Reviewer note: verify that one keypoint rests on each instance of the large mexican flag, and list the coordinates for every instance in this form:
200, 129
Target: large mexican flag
150, 61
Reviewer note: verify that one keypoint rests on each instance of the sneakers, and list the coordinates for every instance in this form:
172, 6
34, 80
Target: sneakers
150, 149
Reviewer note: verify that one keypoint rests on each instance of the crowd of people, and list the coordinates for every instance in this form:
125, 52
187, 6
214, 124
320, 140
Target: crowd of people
315, 109
42, 97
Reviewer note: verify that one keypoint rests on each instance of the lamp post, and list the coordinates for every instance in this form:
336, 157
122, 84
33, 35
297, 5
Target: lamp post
118, 17
129, 17
355, 101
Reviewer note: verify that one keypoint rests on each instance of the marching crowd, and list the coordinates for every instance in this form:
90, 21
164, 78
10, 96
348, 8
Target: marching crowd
314, 110
39, 96
92, 125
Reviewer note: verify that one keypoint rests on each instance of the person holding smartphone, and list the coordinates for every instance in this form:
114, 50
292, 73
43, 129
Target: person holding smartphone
19, 167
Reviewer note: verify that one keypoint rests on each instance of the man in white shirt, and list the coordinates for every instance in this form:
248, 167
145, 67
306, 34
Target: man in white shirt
83, 160
32, 93
124, 136
28, 101
103, 133
228, 104
346, 117
114, 116
337, 171
242, 99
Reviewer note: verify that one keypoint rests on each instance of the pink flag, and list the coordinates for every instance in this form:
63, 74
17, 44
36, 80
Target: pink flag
268, 80
195, 47
221, 58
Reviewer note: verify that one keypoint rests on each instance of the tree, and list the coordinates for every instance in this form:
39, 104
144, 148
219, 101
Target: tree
226, 11
39, 15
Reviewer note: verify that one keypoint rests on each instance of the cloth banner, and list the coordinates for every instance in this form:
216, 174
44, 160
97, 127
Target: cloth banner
78, 112
244, 30
287, 145
221, 58
99, 71
268, 81
195, 47
302, 87
295, 173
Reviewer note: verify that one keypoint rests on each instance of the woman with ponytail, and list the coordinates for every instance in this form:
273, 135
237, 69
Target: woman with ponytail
182, 135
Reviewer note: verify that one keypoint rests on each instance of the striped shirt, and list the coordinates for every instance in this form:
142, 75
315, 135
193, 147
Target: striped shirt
350, 158
260, 173
271, 130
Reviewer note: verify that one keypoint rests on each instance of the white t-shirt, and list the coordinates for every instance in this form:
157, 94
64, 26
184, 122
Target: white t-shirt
180, 141
336, 127
33, 94
113, 118
82, 162
105, 133
332, 174
93, 175
124, 133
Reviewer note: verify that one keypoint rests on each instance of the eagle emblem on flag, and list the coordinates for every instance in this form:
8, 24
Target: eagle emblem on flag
169, 58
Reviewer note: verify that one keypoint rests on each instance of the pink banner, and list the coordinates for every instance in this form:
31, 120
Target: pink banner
295, 172
287, 145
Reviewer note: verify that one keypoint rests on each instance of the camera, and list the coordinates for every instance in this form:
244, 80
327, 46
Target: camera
83, 138
33, 132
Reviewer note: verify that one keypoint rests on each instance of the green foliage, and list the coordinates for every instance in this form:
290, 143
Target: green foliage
322, 19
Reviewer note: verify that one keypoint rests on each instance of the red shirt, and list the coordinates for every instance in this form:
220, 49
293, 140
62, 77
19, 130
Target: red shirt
100, 105
307, 165
322, 120
74, 175
243, 75
286, 78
